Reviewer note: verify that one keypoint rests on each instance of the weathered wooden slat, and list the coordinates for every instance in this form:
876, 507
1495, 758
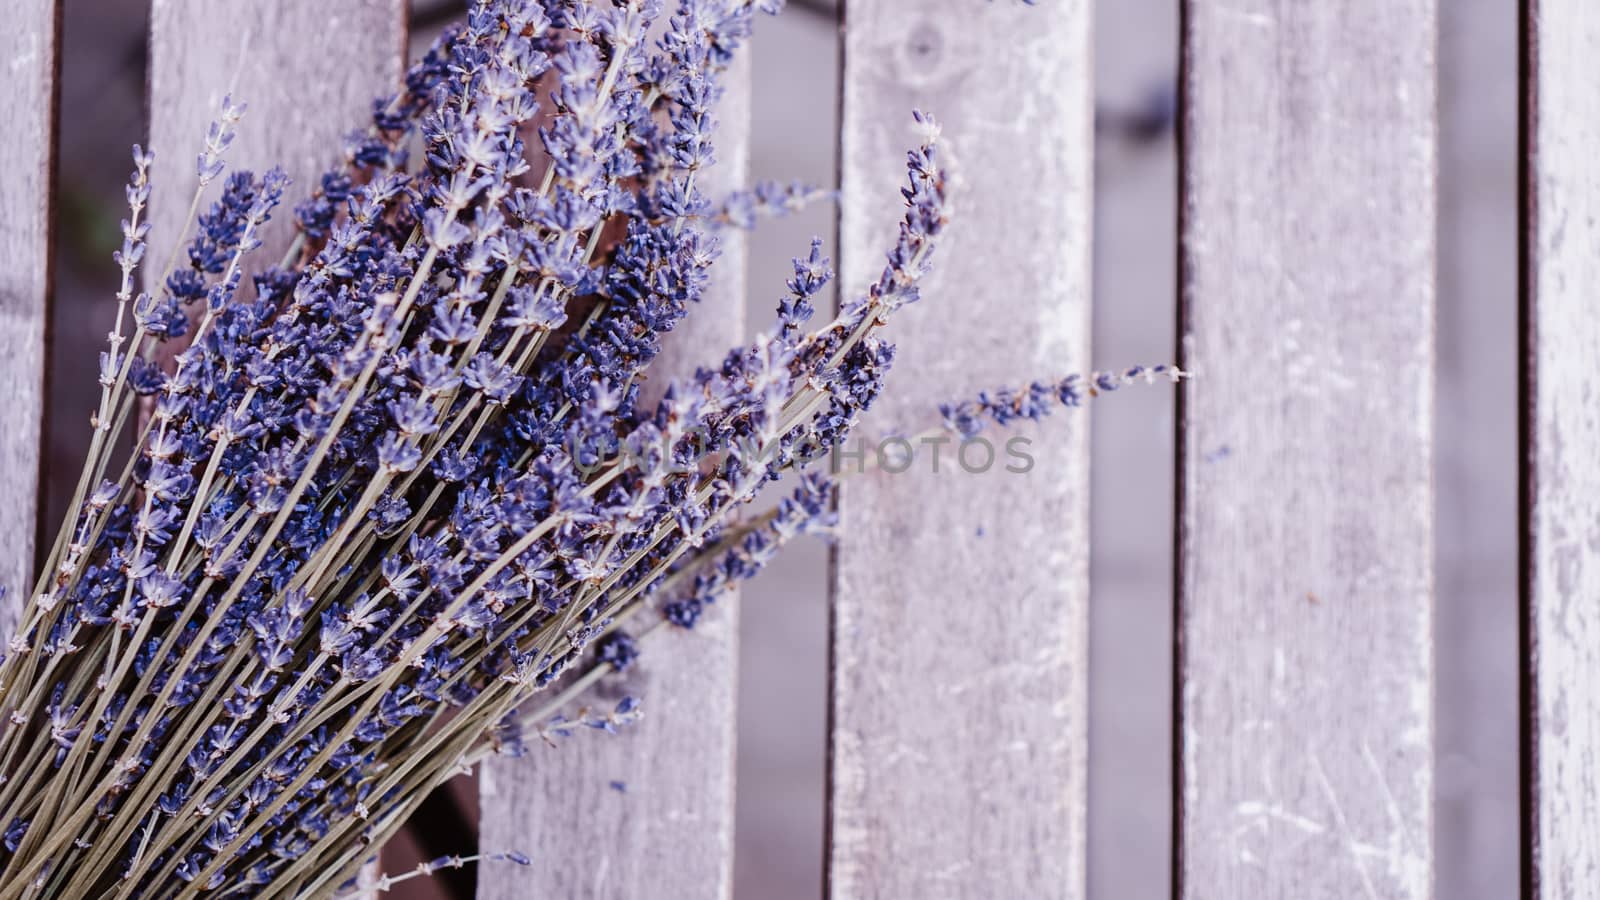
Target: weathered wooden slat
959, 701
1562, 430
28, 46
649, 812
1305, 500
307, 69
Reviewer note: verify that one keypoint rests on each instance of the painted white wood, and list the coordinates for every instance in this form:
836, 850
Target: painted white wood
1305, 499
648, 812
28, 46
1563, 429
960, 650
307, 71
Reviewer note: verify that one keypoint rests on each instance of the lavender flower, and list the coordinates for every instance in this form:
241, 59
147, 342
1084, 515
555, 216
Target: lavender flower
375, 510
1038, 399
769, 200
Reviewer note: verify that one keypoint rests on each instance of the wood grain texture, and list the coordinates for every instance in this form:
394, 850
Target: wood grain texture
307, 69
649, 812
1305, 533
1563, 430
960, 651
28, 46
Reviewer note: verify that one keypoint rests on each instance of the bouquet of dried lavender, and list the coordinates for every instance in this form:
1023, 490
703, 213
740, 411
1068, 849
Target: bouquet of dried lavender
402, 481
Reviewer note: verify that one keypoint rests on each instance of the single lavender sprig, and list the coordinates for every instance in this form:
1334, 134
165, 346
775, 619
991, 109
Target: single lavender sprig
385, 883
769, 200
1038, 399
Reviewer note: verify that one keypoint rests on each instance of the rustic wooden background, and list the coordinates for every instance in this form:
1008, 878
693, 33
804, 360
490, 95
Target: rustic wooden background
783, 631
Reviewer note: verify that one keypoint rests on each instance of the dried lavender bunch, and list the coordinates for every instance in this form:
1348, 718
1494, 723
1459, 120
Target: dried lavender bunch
376, 507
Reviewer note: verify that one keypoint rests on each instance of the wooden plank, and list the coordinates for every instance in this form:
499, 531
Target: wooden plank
1562, 432
28, 47
1305, 535
307, 69
649, 812
959, 639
